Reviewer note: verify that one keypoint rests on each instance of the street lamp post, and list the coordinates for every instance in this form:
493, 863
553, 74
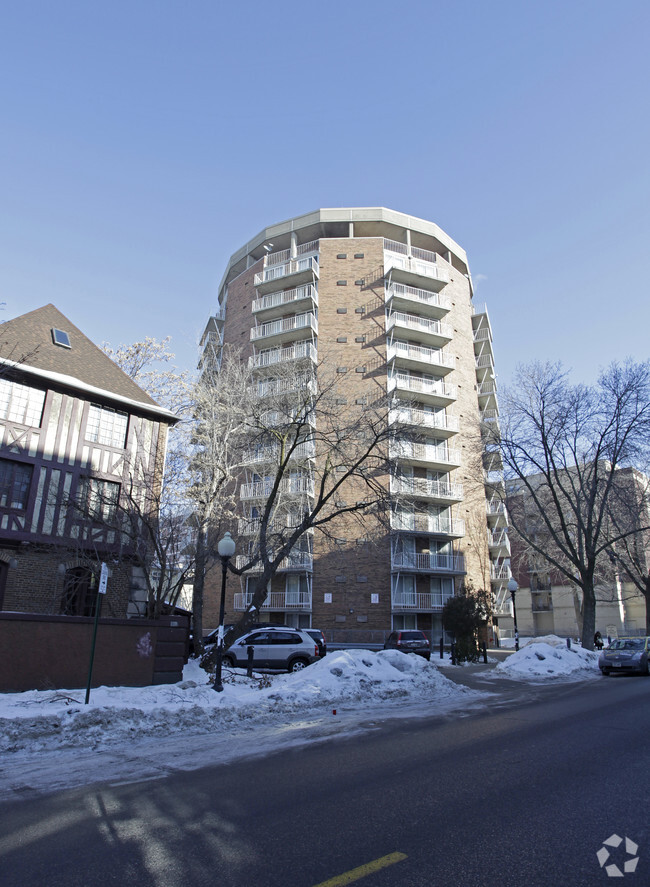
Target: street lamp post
512, 588
226, 549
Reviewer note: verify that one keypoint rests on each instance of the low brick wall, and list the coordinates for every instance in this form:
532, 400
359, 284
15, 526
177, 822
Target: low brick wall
40, 652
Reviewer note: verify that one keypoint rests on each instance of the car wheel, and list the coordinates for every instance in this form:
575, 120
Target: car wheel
646, 670
605, 671
228, 661
298, 665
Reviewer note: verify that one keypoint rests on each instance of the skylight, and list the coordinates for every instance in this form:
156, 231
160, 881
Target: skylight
60, 337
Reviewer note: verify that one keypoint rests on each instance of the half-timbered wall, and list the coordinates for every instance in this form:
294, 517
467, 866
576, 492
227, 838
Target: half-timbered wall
62, 455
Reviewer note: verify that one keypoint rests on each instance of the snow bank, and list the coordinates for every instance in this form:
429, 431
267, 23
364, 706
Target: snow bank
549, 657
51, 719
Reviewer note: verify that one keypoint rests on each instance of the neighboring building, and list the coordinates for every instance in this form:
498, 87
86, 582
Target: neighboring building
388, 297
74, 429
548, 604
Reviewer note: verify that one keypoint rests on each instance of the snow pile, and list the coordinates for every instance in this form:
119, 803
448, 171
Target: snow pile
38, 720
549, 656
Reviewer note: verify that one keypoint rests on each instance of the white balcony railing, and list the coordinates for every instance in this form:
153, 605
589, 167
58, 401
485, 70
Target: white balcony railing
297, 351
485, 362
305, 450
418, 296
487, 388
426, 489
426, 523
406, 449
415, 323
297, 560
483, 334
493, 506
304, 383
414, 384
286, 297
286, 269
437, 563
418, 600
414, 266
290, 486
420, 354
499, 539
424, 419
285, 325
499, 573
276, 600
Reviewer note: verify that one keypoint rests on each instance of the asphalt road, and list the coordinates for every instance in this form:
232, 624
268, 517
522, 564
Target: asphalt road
522, 793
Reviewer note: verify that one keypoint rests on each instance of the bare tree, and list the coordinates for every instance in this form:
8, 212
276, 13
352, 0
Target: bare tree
563, 446
629, 512
315, 457
222, 404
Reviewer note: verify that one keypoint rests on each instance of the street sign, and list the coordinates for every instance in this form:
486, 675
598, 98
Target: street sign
103, 580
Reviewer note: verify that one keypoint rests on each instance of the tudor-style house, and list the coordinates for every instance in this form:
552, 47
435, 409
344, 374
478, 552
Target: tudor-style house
76, 433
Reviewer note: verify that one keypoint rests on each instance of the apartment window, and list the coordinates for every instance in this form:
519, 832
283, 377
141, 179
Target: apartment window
106, 426
15, 479
20, 403
98, 499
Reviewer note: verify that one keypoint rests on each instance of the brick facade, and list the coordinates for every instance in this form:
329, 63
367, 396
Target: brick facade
355, 583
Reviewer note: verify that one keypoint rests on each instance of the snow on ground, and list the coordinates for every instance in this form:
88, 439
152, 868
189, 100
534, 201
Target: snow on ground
58, 718
50, 740
549, 656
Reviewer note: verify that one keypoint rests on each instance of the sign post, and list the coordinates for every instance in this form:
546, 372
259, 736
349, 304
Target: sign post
101, 590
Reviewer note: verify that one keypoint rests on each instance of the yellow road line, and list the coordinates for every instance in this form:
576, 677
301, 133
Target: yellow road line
363, 871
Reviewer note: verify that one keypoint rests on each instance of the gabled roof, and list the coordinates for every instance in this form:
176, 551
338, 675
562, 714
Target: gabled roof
27, 342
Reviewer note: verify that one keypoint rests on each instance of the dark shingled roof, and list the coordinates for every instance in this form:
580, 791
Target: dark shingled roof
28, 340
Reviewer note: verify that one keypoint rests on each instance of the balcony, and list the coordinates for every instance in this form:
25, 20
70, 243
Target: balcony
276, 600
276, 304
422, 488
484, 366
305, 384
419, 357
428, 524
250, 526
499, 543
422, 301
428, 391
270, 455
443, 424
420, 269
499, 573
412, 453
428, 563
298, 351
421, 601
496, 513
419, 329
296, 271
297, 561
541, 602
490, 419
285, 329
300, 485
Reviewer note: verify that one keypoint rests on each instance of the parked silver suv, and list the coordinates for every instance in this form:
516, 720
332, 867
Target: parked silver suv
286, 649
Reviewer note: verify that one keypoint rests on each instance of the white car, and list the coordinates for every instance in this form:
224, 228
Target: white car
285, 649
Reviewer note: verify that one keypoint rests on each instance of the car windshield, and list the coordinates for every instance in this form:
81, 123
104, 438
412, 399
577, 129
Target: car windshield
628, 644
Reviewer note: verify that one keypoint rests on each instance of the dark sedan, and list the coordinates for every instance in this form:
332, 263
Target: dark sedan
626, 654
411, 641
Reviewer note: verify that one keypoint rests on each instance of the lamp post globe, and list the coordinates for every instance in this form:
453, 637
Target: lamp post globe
225, 549
512, 588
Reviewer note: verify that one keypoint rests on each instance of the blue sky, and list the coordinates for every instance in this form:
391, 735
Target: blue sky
141, 143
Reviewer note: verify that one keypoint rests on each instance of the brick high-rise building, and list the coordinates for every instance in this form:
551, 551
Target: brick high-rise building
387, 297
